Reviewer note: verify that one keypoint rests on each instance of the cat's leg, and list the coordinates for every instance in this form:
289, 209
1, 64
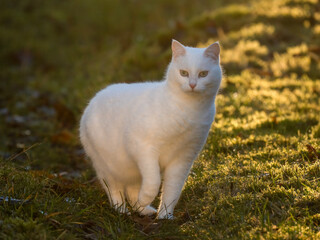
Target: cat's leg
114, 191
150, 173
132, 194
174, 178
118, 200
115, 194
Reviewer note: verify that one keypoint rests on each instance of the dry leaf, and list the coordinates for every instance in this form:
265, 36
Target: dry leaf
64, 114
312, 153
64, 137
146, 224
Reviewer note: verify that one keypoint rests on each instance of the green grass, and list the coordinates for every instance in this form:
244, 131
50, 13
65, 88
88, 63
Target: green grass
258, 176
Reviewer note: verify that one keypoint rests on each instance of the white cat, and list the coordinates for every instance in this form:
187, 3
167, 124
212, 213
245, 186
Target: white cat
139, 134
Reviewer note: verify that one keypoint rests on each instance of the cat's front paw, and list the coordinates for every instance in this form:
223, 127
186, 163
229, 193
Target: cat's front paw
148, 211
166, 216
145, 199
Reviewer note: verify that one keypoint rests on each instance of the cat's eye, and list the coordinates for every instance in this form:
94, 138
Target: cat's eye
203, 74
184, 73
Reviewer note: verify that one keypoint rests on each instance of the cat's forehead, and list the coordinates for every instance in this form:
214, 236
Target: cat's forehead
194, 58
194, 52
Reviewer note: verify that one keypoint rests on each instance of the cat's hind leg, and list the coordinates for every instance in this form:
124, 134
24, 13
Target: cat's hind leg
116, 195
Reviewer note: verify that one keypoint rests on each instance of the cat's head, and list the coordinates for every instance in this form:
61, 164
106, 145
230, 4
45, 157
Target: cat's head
195, 70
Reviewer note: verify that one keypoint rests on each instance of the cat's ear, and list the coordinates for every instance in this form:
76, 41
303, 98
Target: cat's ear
177, 49
213, 51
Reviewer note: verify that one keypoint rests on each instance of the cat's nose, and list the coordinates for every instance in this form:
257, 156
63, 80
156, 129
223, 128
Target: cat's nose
192, 85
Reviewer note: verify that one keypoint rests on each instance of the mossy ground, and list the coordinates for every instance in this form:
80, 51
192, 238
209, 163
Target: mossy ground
258, 176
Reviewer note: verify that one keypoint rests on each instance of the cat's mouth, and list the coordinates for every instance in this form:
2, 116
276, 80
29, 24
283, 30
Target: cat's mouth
195, 90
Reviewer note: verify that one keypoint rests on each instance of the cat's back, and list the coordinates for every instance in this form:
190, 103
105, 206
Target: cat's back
120, 101
124, 92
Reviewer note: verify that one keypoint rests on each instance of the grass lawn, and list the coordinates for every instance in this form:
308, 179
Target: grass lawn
258, 176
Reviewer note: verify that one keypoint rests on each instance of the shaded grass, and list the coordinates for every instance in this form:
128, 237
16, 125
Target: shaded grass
258, 175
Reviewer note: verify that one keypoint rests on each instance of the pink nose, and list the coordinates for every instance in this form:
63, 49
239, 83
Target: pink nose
192, 85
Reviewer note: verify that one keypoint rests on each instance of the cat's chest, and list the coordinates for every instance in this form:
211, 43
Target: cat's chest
186, 123
183, 135
183, 145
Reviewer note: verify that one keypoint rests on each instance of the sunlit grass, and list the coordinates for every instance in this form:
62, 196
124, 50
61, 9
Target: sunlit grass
256, 178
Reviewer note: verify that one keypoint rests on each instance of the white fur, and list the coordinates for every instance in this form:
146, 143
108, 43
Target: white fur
139, 134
